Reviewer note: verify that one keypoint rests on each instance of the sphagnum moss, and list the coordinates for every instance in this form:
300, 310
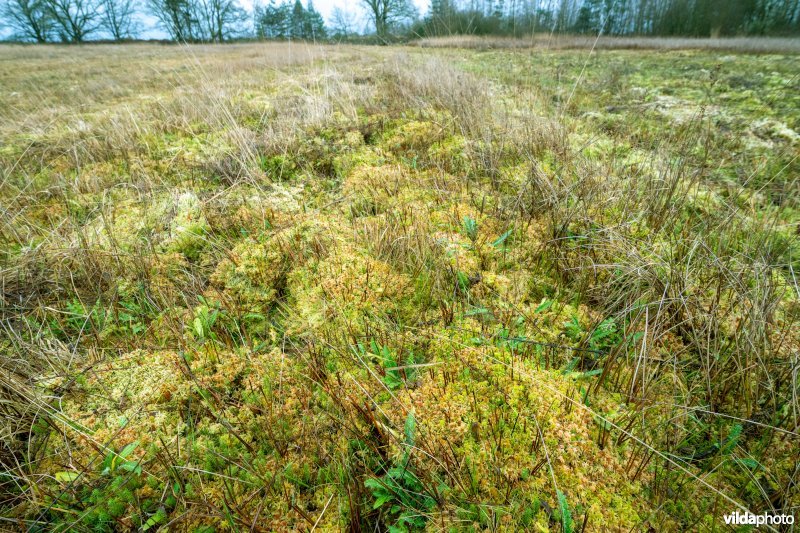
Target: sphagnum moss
428, 295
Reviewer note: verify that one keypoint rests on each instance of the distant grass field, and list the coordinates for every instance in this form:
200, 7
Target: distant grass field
546, 40
286, 287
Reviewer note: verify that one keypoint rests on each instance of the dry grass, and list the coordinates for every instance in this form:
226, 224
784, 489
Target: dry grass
755, 45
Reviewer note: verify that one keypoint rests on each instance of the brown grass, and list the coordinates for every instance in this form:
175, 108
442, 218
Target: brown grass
758, 45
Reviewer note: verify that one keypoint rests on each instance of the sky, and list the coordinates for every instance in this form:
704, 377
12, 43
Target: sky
150, 28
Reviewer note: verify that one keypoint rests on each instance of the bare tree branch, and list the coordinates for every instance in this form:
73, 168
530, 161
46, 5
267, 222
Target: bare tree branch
30, 20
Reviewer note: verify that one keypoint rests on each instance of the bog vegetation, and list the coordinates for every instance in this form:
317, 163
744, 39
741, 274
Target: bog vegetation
275, 286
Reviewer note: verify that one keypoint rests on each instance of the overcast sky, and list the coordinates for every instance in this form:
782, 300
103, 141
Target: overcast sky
150, 29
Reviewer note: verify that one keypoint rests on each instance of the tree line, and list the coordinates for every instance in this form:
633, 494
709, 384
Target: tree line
289, 21
76, 21
690, 18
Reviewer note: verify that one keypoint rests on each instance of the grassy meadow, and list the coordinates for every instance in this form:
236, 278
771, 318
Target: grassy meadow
270, 287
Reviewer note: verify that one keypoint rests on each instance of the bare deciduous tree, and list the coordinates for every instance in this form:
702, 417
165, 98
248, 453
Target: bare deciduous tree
29, 19
176, 17
387, 13
117, 18
74, 20
199, 20
342, 23
219, 19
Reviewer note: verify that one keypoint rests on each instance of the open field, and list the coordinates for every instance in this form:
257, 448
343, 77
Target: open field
787, 45
274, 287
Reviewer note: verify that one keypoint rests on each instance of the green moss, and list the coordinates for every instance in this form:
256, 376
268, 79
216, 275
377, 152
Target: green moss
256, 272
188, 227
450, 154
363, 156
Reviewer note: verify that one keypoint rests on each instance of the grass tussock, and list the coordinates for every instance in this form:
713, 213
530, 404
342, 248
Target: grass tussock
281, 287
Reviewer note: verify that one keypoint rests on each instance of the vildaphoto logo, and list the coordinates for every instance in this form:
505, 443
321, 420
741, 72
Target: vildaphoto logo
749, 519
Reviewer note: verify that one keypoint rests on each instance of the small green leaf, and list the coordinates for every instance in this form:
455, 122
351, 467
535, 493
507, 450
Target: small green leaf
126, 451
733, 438
410, 428
502, 238
381, 500
566, 516
131, 466
470, 228
749, 463
392, 380
108, 462
198, 327
373, 484
463, 281
66, 477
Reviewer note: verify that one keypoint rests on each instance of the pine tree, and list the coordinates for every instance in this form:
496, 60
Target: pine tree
297, 20
313, 25
274, 21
